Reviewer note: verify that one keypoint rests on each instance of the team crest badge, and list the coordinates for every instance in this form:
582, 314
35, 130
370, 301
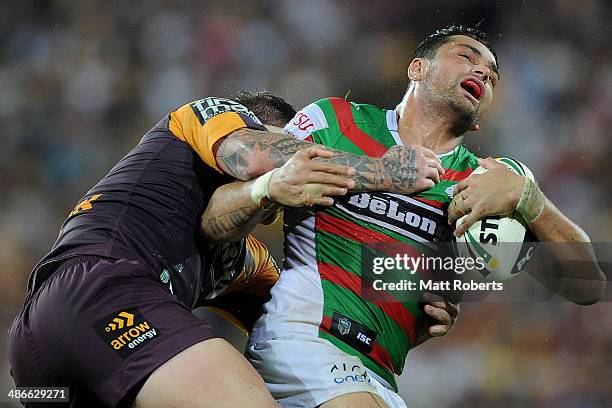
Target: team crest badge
450, 191
344, 326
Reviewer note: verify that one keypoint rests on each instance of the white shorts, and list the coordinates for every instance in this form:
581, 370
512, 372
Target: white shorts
306, 371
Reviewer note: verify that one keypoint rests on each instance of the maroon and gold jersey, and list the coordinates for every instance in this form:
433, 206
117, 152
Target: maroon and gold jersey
148, 206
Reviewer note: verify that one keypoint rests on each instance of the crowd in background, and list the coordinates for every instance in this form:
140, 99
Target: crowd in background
83, 81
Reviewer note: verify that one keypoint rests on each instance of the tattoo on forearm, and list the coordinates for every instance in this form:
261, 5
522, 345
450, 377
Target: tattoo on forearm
370, 174
218, 227
401, 164
249, 153
396, 172
234, 224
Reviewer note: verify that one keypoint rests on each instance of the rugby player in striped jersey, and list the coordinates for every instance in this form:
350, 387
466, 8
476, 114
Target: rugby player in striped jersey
320, 342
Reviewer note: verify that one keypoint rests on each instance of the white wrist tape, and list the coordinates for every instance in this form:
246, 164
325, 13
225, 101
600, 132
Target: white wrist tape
532, 201
260, 190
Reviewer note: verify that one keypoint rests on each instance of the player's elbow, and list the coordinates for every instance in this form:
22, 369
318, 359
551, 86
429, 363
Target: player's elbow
590, 292
596, 295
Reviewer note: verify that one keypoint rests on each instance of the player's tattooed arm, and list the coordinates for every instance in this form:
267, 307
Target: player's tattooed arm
231, 214
573, 270
234, 209
402, 169
247, 153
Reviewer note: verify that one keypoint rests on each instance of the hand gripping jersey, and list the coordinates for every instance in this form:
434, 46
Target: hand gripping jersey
148, 207
319, 291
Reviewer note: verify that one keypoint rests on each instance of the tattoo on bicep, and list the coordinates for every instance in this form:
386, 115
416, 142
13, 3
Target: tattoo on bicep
248, 153
233, 224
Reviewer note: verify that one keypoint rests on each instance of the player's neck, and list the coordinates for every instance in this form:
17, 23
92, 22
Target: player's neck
418, 125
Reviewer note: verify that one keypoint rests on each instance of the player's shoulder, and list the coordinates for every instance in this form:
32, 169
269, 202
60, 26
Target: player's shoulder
350, 111
333, 114
314, 117
339, 104
367, 107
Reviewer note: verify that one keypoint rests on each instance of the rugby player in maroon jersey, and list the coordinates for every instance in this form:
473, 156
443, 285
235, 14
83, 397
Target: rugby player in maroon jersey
108, 310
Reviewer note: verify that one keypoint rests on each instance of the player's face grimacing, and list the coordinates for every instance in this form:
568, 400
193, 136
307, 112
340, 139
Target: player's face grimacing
463, 73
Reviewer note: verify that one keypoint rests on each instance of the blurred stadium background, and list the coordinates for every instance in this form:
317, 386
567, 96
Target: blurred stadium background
82, 81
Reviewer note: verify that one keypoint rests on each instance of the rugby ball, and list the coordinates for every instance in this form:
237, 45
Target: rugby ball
503, 245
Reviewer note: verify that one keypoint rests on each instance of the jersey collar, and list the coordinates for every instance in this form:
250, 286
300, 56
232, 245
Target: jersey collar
393, 129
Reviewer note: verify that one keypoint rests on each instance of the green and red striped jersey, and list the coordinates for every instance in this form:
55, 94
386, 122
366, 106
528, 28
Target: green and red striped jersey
323, 296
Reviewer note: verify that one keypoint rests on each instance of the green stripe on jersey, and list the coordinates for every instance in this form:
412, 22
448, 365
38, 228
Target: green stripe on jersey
350, 257
373, 121
344, 301
332, 137
460, 160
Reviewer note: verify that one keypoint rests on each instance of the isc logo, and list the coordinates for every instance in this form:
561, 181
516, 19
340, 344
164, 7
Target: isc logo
363, 338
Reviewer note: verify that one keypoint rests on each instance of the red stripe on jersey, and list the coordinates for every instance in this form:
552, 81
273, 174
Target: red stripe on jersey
378, 354
346, 122
433, 203
387, 303
355, 232
349, 230
308, 138
456, 175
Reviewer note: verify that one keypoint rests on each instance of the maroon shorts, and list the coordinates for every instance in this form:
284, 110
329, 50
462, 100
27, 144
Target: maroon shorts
101, 327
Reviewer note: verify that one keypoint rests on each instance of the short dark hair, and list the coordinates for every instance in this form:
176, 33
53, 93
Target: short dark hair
270, 109
428, 47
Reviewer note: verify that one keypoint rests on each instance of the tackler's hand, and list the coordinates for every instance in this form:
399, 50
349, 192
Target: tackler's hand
304, 181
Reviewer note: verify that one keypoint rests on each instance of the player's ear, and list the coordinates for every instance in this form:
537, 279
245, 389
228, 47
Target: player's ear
476, 127
416, 69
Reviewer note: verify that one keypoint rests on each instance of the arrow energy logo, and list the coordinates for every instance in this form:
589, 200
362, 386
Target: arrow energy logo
125, 330
124, 319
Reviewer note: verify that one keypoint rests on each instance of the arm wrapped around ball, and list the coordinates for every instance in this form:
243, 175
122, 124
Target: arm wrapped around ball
499, 191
